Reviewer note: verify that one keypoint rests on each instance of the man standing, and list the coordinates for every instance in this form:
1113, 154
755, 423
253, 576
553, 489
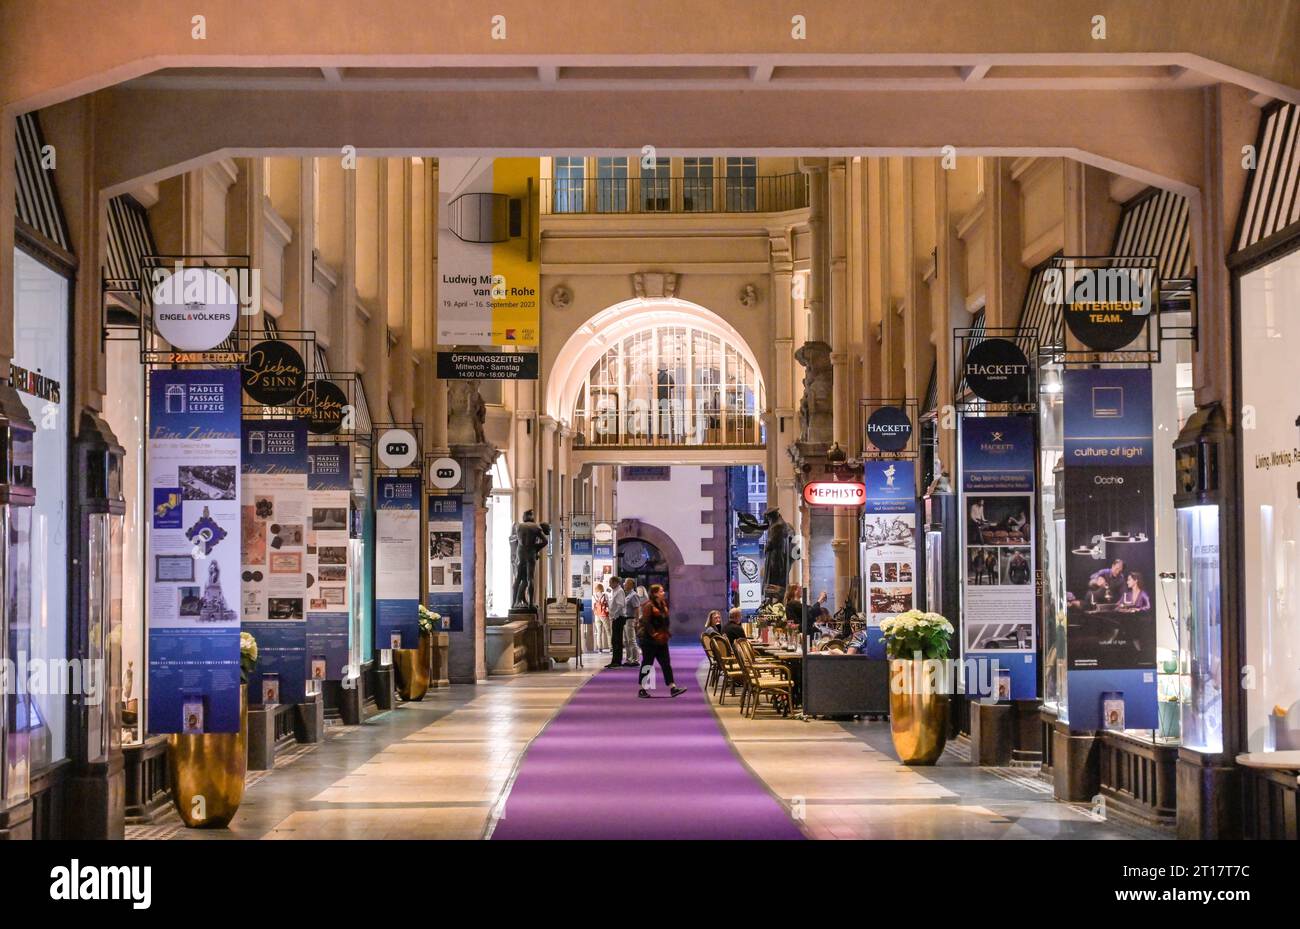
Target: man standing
617, 619
636, 598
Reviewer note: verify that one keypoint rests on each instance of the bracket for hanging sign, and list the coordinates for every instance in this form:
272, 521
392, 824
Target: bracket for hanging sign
995, 370
1110, 308
396, 448
193, 310
890, 428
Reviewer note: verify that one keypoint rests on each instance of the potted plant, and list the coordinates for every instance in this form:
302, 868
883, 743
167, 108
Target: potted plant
413, 665
771, 615
207, 771
918, 645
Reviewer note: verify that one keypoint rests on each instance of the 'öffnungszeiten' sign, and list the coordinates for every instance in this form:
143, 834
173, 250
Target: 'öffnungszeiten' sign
487, 366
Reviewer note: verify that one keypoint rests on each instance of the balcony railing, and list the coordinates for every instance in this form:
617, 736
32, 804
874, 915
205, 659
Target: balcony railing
671, 425
768, 194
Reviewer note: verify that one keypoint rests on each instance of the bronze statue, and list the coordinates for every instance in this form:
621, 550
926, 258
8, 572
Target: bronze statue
776, 555
527, 540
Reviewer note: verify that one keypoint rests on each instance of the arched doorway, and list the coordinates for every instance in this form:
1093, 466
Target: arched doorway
642, 561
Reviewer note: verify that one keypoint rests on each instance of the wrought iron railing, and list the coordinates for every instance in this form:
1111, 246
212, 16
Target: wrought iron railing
767, 194
668, 428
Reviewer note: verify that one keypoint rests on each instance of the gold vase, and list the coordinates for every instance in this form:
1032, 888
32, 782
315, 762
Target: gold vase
207, 772
918, 711
412, 666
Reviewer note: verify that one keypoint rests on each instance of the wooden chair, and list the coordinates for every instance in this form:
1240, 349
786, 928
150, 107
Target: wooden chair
715, 664
731, 676
768, 678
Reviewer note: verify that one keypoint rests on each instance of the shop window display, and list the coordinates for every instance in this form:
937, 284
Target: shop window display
40, 373
1270, 475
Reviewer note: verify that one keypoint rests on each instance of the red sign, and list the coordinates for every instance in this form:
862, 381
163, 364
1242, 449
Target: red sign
834, 493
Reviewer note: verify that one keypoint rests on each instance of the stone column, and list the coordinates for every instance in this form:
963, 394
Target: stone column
466, 661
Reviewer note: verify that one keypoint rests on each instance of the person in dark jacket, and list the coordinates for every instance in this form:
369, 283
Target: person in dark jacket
734, 629
652, 635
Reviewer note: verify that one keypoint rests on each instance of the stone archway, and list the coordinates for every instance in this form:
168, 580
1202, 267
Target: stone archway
693, 590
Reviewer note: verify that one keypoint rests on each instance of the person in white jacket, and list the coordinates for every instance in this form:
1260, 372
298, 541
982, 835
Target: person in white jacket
617, 599
636, 598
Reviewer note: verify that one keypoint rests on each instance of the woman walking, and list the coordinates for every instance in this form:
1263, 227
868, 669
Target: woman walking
653, 634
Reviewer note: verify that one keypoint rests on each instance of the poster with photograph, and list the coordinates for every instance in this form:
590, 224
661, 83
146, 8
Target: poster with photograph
888, 544
329, 496
447, 562
273, 563
999, 596
397, 561
193, 564
1110, 537
749, 574
489, 269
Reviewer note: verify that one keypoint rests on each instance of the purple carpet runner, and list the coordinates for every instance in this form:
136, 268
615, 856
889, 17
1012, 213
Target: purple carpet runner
613, 766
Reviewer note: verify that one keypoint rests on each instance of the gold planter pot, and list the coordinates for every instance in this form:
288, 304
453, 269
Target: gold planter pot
412, 666
918, 712
207, 772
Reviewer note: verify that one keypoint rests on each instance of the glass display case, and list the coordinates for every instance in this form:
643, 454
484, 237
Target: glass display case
1196, 679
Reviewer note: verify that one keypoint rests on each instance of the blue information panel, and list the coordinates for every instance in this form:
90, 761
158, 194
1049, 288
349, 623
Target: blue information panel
1110, 558
448, 534
888, 544
397, 561
329, 567
194, 533
999, 596
276, 524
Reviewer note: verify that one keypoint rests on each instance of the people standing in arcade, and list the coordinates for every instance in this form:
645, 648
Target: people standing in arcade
600, 613
636, 598
654, 632
618, 622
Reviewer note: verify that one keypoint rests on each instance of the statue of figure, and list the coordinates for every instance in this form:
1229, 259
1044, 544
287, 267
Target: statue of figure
466, 413
776, 555
213, 607
815, 412
527, 540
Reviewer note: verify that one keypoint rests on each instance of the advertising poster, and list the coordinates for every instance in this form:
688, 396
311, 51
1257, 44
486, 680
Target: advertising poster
602, 562
999, 597
749, 574
193, 563
274, 552
580, 574
888, 544
447, 559
397, 561
489, 270
1110, 561
328, 562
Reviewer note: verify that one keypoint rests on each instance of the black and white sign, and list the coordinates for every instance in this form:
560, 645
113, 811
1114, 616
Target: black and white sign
997, 371
194, 309
487, 366
889, 429
444, 473
397, 449
274, 373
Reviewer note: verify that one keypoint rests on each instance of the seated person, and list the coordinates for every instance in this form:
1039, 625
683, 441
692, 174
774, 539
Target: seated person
1107, 584
857, 643
1135, 598
734, 630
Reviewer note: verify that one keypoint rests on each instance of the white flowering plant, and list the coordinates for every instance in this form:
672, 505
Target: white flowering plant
247, 656
914, 631
430, 621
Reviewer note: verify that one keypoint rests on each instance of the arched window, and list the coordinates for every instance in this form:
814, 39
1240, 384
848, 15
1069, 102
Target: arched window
670, 385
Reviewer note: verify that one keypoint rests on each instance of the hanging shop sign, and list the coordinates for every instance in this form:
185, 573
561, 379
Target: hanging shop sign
326, 406
489, 269
889, 429
603, 532
397, 449
194, 309
447, 535
580, 526
397, 561
274, 552
888, 544
1110, 564
999, 625
749, 574
1105, 307
274, 373
834, 493
444, 473
997, 370
328, 563
193, 475
487, 366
